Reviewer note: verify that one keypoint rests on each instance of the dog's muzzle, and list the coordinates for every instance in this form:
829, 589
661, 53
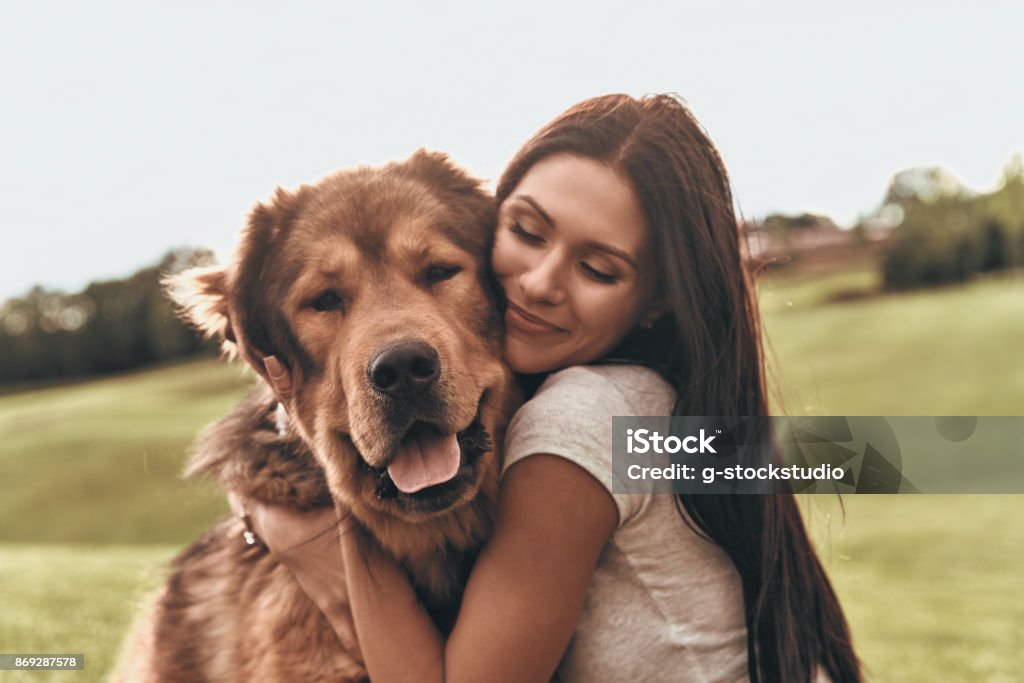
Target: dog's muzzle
473, 442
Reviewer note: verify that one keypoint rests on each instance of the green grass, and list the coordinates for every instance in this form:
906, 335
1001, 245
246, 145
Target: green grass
953, 351
72, 599
100, 461
930, 584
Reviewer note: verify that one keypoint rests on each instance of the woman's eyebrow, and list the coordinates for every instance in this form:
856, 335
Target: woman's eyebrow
596, 246
537, 207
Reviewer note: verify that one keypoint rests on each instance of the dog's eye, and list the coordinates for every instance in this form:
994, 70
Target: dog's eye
328, 301
438, 273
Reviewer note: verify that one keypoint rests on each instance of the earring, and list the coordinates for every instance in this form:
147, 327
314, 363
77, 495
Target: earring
653, 316
650, 323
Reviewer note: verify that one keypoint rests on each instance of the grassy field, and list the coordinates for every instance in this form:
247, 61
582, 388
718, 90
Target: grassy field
930, 584
92, 503
951, 351
99, 462
73, 598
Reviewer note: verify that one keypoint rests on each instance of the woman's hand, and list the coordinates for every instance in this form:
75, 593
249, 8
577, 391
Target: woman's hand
308, 544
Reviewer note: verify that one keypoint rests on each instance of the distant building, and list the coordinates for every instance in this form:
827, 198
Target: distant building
780, 239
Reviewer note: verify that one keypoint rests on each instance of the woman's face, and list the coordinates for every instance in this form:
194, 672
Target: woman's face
573, 254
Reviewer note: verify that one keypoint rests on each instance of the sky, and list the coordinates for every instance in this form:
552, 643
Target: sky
129, 128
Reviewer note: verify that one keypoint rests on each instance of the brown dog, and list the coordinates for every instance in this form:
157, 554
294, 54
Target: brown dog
365, 303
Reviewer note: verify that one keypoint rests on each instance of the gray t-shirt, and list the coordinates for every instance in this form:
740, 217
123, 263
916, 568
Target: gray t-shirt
664, 604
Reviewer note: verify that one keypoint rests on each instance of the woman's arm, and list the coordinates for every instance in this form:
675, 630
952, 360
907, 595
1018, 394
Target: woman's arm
523, 597
391, 624
307, 543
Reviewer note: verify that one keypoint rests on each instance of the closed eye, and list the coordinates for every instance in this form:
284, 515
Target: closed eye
437, 272
528, 237
597, 275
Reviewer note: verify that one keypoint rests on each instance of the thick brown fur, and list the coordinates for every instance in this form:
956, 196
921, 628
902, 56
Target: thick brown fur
383, 242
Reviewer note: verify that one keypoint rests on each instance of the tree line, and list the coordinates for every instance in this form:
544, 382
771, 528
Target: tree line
108, 327
949, 234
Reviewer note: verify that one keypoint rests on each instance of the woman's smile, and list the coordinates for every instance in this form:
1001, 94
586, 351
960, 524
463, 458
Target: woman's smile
518, 320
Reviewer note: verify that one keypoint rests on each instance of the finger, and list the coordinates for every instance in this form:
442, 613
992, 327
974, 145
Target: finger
278, 375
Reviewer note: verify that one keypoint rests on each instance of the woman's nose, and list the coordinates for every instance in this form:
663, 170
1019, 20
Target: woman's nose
542, 283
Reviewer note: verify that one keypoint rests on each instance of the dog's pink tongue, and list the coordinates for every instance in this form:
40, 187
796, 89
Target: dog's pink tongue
425, 460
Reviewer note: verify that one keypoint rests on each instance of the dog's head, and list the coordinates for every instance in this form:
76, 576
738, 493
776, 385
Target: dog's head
365, 302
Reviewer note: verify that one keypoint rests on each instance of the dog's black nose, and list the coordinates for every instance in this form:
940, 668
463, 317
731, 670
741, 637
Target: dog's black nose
404, 369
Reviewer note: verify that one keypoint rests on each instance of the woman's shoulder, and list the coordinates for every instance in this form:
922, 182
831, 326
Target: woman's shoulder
615, 389
570, 416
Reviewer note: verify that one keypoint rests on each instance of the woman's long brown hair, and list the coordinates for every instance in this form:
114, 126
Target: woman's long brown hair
708, 346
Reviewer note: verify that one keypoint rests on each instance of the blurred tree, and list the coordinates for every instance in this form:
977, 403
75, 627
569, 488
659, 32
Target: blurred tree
948, 234
933, 245
922, 184
110, 326
996, 248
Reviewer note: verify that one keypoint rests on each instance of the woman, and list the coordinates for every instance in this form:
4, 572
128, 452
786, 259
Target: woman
618, 251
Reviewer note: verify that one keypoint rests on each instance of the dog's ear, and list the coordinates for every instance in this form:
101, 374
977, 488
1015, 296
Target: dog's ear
202, 298
472, 207
439, 170
259, 323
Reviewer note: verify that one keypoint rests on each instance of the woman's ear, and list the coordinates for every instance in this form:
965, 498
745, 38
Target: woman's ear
656, 311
